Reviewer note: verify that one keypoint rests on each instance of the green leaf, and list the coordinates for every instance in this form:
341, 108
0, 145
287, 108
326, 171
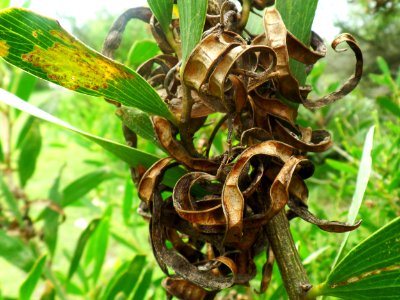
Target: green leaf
127, 201
370, 270
121, 269
162, 10
23, 84
298, 17
341, 166
143, 285
40, 46
16, 252
142, 51
29, 284
51, 217
383, 66
363, 175
387, 103
138, 122
80, 246
81, 186
128, 279
30, 150
97, 248
10, 200
192, 16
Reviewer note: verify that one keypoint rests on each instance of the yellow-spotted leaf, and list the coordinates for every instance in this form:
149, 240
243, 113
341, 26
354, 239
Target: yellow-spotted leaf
40, 46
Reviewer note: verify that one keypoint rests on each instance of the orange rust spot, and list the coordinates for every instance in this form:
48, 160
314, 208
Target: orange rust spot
4, 48
72, 65
35, 33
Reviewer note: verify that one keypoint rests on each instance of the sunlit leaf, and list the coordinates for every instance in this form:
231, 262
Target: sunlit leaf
23, 84
81, 186
192, 15
364, 173
40, 46
80, 246
4, 3
29, 284
30, 150
127, 280
162, 10
16, 252
298, 17
341, 166
370, 270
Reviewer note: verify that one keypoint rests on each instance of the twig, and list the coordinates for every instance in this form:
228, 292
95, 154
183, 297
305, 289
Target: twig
292, 271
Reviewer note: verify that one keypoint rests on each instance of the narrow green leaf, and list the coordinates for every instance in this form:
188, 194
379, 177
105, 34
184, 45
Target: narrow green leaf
131, 156
298, 17
387, 103
370, 270
98, 244
24, 131
127, 201
10, 200
192, 16
143, 285
341, 166
128, 279
23, 84
30, 150
162, 10
16, 252
51, 217
29, 284
121, 269
81, 186
40, 46
383, 66
80, 246
363, 175
139, 122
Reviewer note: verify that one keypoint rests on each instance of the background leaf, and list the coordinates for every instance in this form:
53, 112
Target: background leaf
30, 150
364, 173
40, 46
370, 270
11, 201
28, 286
128, 279
16, 252
142, 51
80, 246
81, 186
192, 16
143, 285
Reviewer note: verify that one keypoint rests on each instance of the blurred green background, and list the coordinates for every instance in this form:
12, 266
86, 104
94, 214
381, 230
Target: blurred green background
40, 164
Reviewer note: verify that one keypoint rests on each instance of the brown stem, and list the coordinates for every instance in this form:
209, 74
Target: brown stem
184, 126
292, 271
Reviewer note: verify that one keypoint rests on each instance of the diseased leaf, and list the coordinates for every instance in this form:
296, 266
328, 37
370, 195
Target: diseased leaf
162, 10
29, 284
81, 186
370, 270
30, 150
192, 15
16, 252
80, 246
40, 46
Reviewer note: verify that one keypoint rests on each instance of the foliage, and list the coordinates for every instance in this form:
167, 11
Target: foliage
39, 206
